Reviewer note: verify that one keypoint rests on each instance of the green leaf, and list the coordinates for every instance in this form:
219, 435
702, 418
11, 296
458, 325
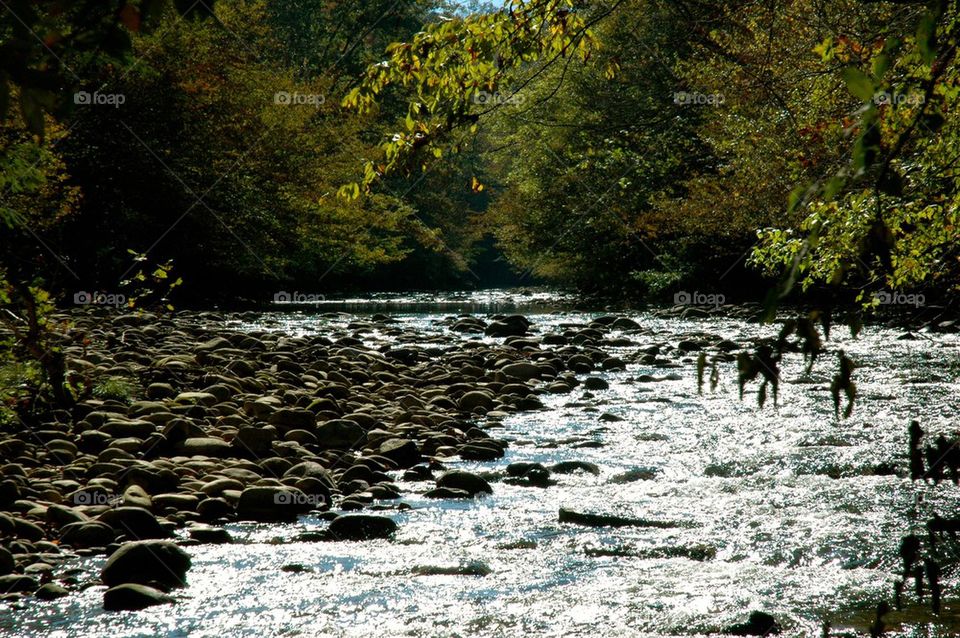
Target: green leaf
858, 83
881, 64
926, 36
834, 186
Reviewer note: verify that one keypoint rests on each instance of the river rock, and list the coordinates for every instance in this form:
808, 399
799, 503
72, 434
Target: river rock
87, 534
293, 419
205, 446
403, 452
160, 391
340, 434
447, 492
471, 568
136, 496
595, 383
195, 398
133, 597
7, 564
121, 428
608, 520
522, 370
467, 481
51, 591
147, 562
361, 527
135, 523
254, 441
512, 326
213, 535
569, 467
758, 624
480, 451
268, 503
18, 583
60, 515
211, 509
475, 399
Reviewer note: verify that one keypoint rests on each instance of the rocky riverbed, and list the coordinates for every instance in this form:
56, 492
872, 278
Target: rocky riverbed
403, 473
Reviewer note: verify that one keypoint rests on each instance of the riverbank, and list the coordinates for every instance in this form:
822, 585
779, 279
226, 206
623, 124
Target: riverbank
192, 425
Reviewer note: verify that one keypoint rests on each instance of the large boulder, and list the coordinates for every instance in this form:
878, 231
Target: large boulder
132, 597
145, 562
361, 527
467, 481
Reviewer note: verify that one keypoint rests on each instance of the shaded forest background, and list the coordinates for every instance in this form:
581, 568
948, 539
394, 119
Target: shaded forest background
656, 151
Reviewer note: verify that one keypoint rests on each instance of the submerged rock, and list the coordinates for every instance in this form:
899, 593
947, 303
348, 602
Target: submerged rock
133, 597
609, 520
467, 481
51, 591
146, 562
18, 583
569, 467
361, 527
758, 624
472, 568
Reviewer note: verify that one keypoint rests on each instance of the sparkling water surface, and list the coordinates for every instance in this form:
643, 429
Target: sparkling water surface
780, 509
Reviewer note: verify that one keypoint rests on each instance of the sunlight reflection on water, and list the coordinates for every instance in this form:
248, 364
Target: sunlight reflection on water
784, 497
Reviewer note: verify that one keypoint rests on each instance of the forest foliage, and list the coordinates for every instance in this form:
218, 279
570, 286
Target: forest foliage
626, 147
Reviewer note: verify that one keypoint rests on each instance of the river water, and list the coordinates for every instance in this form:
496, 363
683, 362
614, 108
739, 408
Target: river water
783, 509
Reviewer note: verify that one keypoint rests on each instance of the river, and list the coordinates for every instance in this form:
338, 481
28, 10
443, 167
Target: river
785, 509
